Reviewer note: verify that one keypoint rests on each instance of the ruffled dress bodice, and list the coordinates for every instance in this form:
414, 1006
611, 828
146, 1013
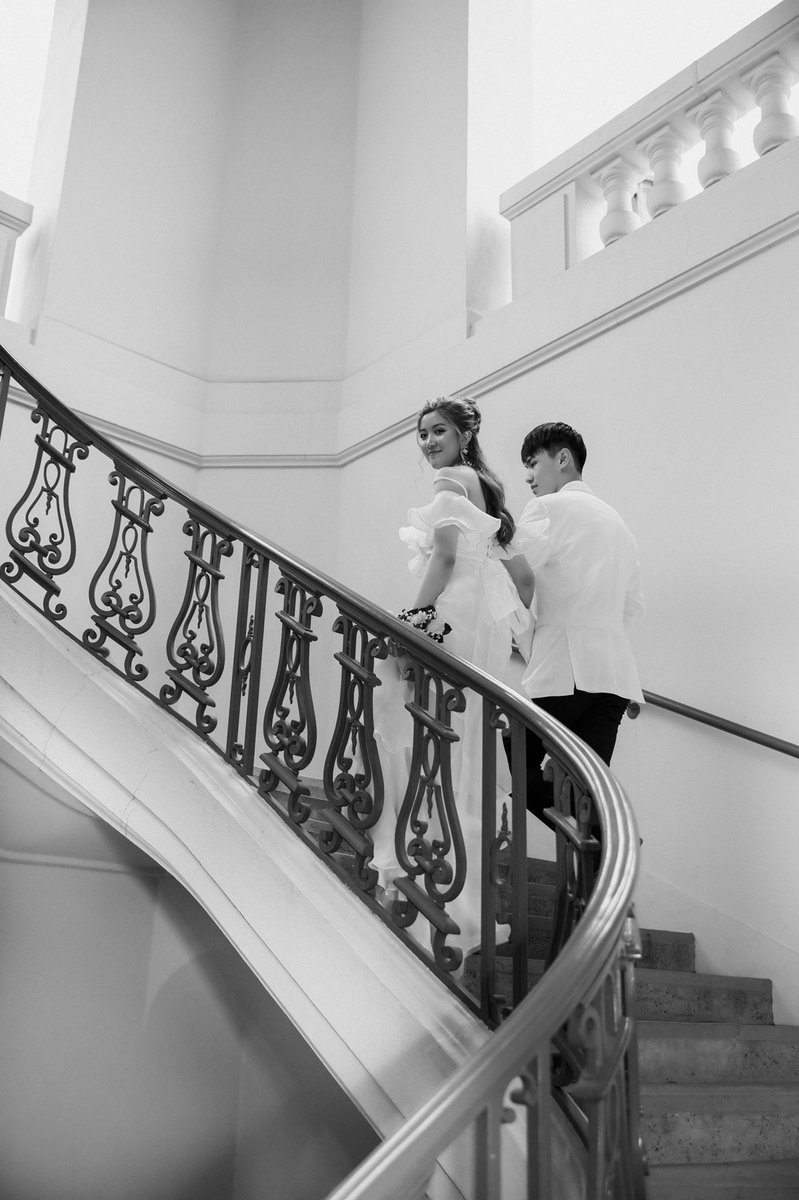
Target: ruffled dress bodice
479, 587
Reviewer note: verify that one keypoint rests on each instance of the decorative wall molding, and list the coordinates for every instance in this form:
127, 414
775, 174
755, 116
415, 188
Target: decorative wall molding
645, 301
119, 433
642, 303
131, 438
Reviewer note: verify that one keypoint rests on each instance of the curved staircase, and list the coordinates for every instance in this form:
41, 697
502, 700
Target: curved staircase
719, 1081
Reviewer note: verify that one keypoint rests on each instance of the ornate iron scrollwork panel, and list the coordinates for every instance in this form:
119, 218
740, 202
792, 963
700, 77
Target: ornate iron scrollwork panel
494, 871
289, 718
533, 1093
353, 777
245, 684
121, 592
574, 819
429, 841
5, 383
40, 530
601, 1037
195, 645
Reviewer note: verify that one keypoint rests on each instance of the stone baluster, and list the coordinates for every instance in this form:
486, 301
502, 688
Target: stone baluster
771, 84
619, 181
715, 119
664, 150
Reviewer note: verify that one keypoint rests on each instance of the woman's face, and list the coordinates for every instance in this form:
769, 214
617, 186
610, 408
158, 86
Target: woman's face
439, 440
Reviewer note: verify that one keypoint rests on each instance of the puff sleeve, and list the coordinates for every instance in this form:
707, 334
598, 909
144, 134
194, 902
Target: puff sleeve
447, 508
532, 536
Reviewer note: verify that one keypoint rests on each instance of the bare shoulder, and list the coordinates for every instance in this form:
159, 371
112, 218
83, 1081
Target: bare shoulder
461, 479
453, 479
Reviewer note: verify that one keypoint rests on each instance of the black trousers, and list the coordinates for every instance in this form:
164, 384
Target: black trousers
593, 716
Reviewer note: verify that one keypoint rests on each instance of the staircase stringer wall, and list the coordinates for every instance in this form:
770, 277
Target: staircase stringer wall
388, 1032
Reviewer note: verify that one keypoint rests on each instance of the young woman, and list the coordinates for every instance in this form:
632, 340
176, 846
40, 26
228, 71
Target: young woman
474, 595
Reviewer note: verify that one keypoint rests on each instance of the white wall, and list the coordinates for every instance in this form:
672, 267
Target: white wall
282, 251
26, 26
140, 204
47, 164
223, 234
114, 282
500, 117
408, 261
142, 1057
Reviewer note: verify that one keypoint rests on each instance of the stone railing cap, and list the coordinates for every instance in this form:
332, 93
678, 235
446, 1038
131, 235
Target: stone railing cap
14, 213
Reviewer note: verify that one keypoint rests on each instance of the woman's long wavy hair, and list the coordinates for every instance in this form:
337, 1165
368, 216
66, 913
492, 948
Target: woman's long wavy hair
464, 415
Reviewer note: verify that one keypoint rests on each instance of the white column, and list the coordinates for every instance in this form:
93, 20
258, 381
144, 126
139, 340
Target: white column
664, 151
619, 181
771, 85
15, 217
715, 119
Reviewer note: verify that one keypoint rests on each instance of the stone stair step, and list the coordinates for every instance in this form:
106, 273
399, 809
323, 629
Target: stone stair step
661, 949
538, 933
725, 1181
721, 1123
717, 1052
667, 950
687, 996
659, 952
540, 900
707, 1048
663, 995
539, 870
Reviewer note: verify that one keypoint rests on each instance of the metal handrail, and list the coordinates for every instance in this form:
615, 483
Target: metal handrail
530, 1027
705, 718
594, 968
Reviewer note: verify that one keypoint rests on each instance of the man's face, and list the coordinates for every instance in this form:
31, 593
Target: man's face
543, 473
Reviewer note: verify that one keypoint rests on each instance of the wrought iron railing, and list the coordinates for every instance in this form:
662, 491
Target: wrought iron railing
206, 617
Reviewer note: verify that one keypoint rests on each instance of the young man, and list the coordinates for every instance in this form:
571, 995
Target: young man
587, 588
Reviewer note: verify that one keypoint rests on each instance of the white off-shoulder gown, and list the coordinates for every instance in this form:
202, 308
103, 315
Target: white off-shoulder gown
483, 608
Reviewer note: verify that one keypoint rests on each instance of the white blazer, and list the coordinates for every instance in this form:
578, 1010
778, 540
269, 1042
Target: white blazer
587, 589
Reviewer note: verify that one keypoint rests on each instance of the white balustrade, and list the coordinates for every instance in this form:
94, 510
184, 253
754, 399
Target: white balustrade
715, 119
771, 84
619, 182
610, 170
664, 151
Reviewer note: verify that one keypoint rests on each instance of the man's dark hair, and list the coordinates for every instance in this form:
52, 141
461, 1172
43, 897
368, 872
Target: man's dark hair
554, 436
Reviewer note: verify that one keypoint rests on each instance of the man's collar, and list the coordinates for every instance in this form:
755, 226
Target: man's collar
576, 485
